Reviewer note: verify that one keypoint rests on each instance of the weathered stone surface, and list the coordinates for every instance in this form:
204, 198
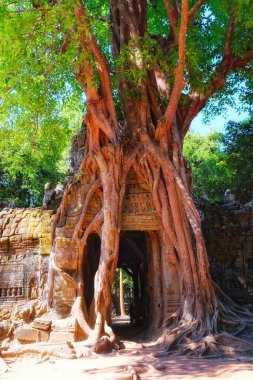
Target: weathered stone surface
28, 334
67, 324
63, 330
5, 314
66, 253
61, 337
228, 232
42, 324
24, 250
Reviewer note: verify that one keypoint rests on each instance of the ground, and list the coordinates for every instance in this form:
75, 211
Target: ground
105, 367
141, 357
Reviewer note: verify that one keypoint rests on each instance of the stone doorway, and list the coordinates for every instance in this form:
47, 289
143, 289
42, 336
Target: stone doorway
133, 260
90, 267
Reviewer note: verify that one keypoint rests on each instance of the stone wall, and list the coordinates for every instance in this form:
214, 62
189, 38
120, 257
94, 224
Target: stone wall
25, 249
24, 252
228, 231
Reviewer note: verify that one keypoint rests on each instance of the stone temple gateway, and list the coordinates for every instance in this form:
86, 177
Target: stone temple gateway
25, 248
140, 251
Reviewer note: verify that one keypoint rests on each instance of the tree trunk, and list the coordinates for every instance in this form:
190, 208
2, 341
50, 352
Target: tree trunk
153, 149
162, 166
121, 294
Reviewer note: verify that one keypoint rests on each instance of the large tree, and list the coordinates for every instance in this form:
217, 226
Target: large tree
147, 68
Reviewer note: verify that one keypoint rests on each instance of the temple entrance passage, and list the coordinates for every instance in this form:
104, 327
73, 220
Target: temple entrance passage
145, 286
130, 301
90, 266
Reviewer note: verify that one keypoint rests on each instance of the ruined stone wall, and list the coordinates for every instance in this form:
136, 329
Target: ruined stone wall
25, 249
24, 252
228, 232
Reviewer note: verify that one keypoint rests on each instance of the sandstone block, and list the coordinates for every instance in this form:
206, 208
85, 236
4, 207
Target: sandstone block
44, 336
28, 334
61, 337
42, 324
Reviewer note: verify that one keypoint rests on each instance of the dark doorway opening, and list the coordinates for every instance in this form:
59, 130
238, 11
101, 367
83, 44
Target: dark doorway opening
133, 261
90, 267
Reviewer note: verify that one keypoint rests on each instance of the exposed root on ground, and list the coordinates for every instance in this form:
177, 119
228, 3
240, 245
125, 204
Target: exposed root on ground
193, 338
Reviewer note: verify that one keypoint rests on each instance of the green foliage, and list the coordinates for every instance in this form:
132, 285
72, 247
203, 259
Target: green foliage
13, 190
41, 102
238, 150
127, 286
210, 173
33, 38
222, 161
157, 18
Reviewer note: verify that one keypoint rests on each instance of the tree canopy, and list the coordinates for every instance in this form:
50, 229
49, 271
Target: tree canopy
41, 52
41, 57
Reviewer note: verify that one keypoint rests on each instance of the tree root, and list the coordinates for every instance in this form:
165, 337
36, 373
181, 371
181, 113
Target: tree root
103, 345
106, 344
193, 339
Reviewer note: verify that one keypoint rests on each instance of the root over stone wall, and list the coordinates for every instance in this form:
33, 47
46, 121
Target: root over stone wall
25, 248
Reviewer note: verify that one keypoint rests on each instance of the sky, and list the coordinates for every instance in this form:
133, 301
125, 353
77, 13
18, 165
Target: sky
218, 123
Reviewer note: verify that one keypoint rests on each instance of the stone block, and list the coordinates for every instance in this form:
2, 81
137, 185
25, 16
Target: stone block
61, 337
42, 324
27, 334
44, 336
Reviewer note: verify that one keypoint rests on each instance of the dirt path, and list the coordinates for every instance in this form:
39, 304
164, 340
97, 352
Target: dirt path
143, 360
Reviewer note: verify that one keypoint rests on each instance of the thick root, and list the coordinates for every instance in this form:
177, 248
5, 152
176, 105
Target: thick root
191, 338
106, 344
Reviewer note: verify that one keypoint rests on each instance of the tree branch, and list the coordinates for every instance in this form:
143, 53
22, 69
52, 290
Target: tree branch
88, 41
65, 44
195, 8
179, 74
228, 64
171, 16
240, 62
229, 36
